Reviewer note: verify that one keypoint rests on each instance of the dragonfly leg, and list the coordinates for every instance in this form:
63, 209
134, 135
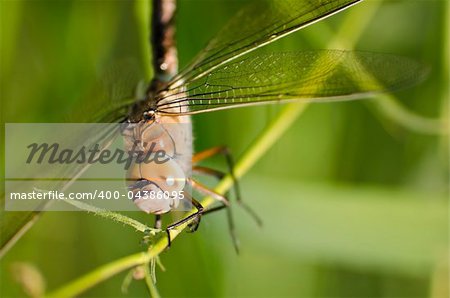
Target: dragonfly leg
195, 217
208, 171
209, 192
158, 221
225, 204
223, 150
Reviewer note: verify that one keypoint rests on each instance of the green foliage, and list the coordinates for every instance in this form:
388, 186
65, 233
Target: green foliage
354, 196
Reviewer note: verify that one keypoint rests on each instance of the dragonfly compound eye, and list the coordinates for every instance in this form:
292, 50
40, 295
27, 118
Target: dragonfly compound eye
148, 115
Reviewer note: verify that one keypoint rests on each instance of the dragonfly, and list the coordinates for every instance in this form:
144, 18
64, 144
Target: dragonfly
233, 72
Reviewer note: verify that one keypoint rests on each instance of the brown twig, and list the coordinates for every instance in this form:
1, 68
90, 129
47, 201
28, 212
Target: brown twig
165, 60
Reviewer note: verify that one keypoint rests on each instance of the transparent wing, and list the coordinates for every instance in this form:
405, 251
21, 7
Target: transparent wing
110, 96
259, 23
107, 101
323, 75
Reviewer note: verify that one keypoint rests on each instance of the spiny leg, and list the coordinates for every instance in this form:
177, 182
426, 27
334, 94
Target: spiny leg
197, 216
230, 163
231, 227
200, 211
209, 192
225, 204
205, 191
208, 172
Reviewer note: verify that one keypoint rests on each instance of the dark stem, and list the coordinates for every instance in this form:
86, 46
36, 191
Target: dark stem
165, 60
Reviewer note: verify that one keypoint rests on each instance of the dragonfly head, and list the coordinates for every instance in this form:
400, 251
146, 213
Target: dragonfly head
142, 112
148, 115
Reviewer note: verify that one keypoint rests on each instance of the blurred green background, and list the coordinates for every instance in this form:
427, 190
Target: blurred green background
354, 199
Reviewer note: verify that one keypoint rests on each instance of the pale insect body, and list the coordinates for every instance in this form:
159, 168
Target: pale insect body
170, 135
